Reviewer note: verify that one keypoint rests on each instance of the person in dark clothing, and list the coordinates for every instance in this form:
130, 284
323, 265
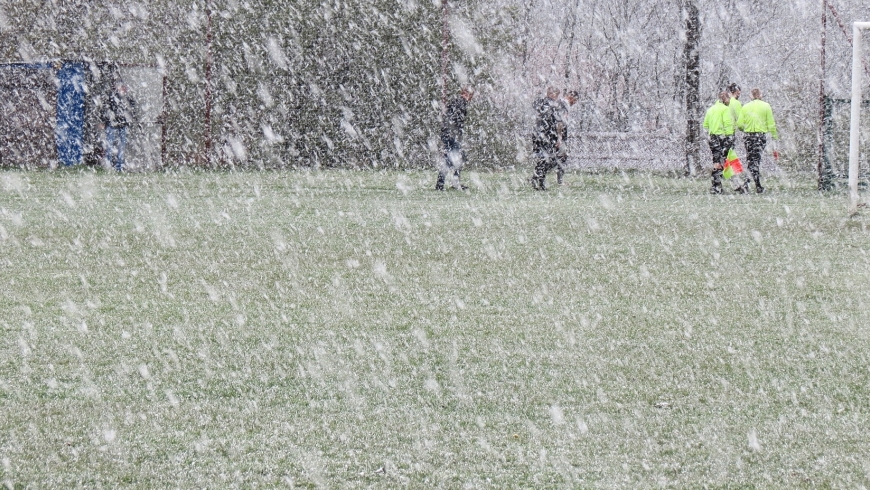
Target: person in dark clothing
545, 140
451, 140
719, 123
118, 113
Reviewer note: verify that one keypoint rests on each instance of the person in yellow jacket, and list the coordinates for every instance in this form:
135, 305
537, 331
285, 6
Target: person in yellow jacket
719, 124
736, 109
735, 104
756, 120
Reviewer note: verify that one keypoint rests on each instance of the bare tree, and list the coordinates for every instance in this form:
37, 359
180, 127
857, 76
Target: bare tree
692, 62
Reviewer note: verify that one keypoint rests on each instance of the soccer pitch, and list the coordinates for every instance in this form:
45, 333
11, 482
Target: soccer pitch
359, 329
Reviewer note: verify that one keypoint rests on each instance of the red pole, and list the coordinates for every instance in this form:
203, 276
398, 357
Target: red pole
208, 67
445, 56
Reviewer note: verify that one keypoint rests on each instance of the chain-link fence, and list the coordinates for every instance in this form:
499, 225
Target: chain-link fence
660, 151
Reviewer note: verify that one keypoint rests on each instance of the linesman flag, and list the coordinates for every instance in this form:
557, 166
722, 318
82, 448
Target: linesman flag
732, 165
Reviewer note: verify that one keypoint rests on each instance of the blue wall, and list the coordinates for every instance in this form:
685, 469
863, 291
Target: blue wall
70, 112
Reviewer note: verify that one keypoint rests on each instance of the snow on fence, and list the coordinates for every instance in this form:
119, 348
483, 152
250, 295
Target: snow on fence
146, 144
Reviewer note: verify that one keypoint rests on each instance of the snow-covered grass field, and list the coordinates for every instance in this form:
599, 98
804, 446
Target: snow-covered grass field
359, 329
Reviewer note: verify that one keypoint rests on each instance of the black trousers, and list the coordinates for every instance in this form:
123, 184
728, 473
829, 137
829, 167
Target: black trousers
454, 160
561, 165
719, 146
755, 143
544, 162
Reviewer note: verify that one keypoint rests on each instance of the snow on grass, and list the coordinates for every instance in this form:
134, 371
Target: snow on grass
357, 329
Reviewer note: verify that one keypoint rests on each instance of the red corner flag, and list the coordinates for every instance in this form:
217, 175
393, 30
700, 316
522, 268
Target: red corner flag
732, 165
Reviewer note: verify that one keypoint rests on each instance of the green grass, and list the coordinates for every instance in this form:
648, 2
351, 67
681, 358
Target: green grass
359, 329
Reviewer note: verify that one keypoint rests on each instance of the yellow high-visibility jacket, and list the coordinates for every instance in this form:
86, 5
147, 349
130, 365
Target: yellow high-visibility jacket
757, 117
736, 108
719, 120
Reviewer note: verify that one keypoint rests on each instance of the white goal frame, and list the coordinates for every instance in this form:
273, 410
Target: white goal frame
854, 130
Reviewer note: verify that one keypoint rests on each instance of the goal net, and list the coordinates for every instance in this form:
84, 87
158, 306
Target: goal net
836, 139
859, 67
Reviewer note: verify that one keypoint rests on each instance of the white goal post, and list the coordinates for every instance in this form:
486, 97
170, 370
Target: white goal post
854, 130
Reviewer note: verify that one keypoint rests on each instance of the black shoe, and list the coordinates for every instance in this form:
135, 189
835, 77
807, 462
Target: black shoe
715, 190
463, 187
439, 187
759, 189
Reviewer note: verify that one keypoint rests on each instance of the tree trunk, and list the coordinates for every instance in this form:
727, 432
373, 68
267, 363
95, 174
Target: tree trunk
824, 169
691, 56
571, 31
